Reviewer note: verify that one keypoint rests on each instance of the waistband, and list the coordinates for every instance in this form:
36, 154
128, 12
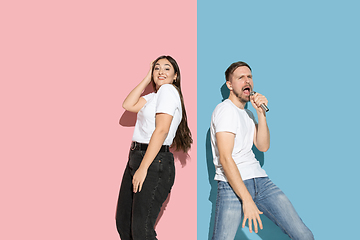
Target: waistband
143, 147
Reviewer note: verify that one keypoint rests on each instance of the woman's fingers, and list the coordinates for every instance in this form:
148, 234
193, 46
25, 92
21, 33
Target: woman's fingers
138, 179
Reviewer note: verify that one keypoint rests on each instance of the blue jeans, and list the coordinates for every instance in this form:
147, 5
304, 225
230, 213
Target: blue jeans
268, 198
137, 212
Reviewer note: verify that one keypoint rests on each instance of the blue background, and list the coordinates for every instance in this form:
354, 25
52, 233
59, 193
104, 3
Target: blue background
305, 60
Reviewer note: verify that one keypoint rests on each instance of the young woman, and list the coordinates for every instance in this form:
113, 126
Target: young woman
150, 172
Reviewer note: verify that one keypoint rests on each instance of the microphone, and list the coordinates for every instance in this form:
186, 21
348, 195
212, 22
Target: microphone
263, 106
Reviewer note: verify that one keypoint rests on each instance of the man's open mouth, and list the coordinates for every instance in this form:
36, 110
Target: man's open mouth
247, 90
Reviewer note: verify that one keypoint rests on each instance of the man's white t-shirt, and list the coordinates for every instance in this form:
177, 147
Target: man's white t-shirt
165, 100
227, 117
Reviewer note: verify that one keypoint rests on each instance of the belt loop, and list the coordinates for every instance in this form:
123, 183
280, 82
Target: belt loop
133, 146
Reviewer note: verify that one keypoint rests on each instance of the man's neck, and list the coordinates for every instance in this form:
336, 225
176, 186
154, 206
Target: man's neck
235, 100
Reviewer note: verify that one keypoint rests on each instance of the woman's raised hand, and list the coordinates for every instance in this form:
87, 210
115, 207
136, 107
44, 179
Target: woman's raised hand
134, 102
149, 74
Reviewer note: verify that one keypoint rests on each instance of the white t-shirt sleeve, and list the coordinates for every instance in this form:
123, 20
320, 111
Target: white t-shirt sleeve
225, 120
148, 96
167, 99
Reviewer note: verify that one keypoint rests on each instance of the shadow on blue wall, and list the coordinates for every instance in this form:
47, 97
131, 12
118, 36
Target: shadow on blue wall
270, 231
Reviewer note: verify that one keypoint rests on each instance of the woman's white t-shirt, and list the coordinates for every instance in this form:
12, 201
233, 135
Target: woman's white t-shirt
165, 100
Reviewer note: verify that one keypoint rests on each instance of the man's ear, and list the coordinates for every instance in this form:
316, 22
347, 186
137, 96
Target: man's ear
229, 85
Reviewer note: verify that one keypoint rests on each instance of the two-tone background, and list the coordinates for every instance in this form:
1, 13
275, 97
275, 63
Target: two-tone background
66, 66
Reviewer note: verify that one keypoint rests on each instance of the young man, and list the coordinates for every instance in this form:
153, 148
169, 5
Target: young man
244, 189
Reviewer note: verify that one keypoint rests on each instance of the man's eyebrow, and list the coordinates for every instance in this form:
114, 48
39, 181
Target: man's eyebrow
243, 75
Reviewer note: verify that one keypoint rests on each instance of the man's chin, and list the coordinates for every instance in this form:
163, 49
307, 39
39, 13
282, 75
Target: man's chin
245, 99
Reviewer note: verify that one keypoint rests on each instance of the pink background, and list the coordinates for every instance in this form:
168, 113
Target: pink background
65, 68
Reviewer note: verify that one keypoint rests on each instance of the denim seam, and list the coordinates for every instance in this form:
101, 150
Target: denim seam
216, 215
150, 208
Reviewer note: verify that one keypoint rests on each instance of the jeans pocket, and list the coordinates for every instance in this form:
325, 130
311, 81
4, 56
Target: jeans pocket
135, 158
223, 185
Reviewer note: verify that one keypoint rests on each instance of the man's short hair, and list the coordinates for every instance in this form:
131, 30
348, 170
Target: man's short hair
233, 67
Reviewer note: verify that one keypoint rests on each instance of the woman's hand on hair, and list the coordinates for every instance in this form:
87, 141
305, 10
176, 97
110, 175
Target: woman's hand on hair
134, 102
149, 74
138, 179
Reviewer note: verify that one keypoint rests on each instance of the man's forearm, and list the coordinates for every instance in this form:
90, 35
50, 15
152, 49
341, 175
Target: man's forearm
234, 178
262, 141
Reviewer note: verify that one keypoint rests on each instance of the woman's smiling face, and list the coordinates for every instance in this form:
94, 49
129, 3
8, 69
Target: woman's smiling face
163, 73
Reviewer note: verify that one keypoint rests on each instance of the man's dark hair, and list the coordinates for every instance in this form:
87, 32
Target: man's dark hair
233, 67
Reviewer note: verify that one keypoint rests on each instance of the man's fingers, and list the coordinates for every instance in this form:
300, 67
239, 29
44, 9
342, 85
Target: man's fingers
255, 221
250, 225
258, 99
243, 224
255, 225
259, 220
260, 223
255, 103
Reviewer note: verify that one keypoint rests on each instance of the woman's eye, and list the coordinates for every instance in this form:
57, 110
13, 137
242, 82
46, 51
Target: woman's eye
167, 69
156, 68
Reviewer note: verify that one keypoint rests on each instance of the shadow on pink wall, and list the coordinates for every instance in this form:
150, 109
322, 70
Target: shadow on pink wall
128, 119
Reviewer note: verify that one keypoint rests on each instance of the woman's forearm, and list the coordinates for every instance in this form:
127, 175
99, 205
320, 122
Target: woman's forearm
133, 98
156, 141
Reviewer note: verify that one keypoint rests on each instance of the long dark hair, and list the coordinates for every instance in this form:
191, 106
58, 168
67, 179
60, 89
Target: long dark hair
183, 138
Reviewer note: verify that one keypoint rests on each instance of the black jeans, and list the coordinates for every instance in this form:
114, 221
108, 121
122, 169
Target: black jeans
137, 212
